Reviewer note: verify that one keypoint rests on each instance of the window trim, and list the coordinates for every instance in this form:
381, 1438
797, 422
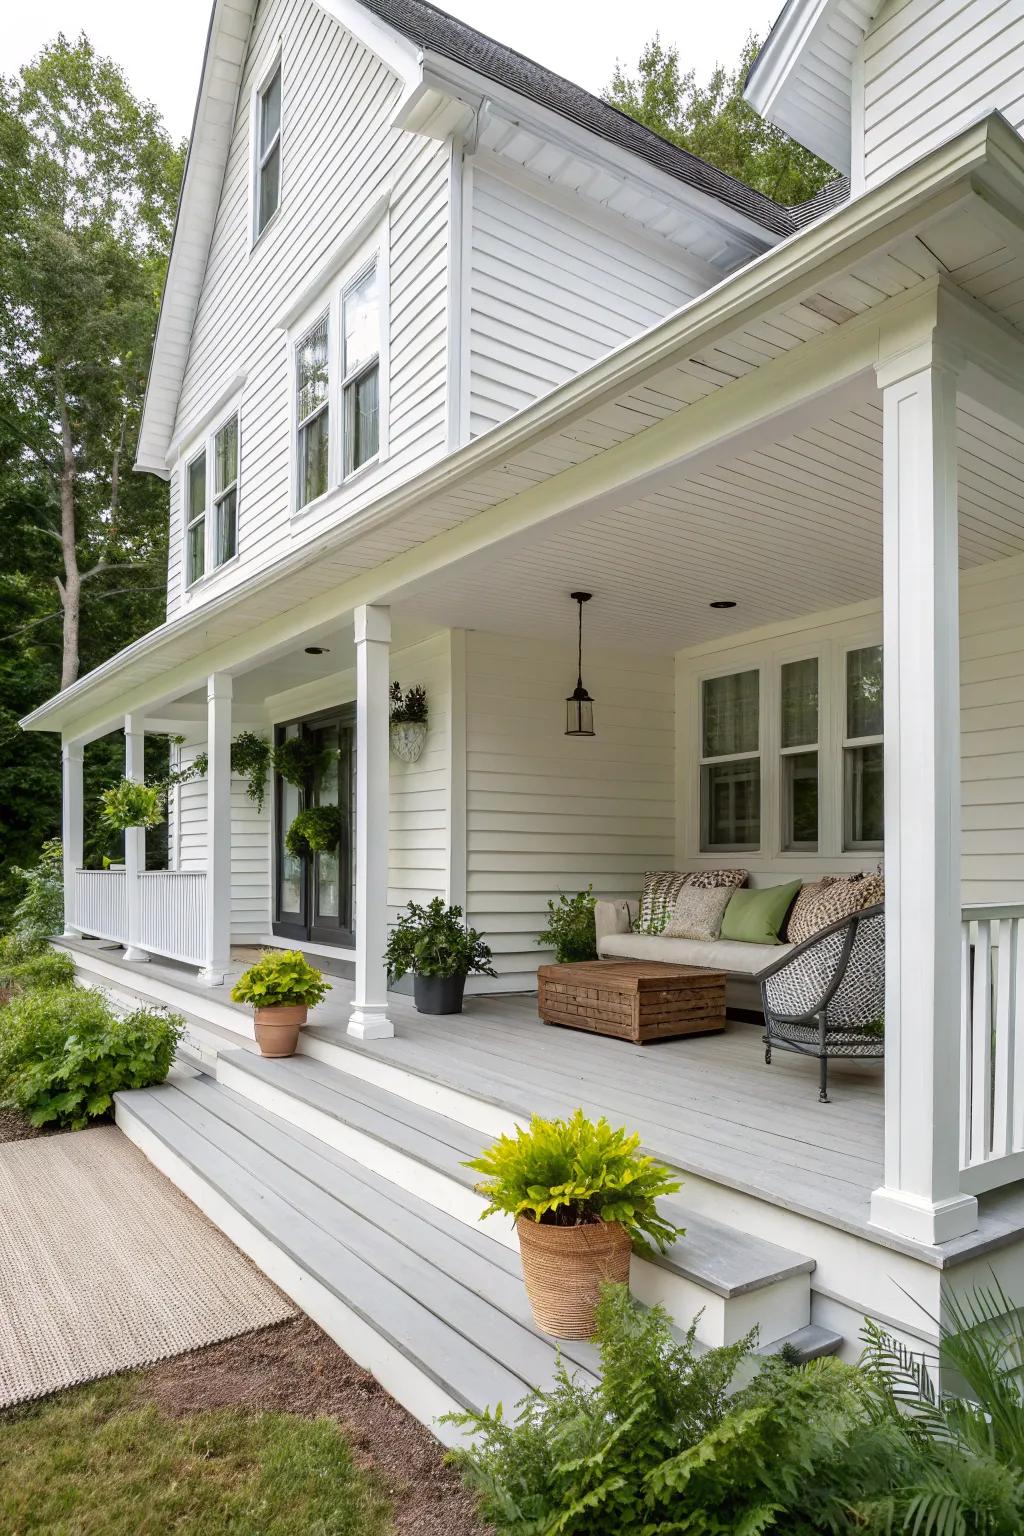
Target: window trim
203, 440
257, 159
704, 761
852, 743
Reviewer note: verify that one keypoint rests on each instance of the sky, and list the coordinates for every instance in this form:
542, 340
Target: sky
160, 46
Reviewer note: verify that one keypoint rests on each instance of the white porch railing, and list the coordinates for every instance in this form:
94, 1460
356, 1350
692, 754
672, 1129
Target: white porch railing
173, 913
991, 1047
101, 903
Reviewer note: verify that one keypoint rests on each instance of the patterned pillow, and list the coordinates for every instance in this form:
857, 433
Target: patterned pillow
698, 912
661, 887
828, 900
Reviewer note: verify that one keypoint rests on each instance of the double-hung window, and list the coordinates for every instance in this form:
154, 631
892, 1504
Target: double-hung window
798, 743
863, 768
730, 771
361, 369
225, 492
195, 518
211, 502
313, 411
267, 168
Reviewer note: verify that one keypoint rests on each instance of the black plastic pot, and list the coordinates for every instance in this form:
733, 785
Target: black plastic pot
438, 994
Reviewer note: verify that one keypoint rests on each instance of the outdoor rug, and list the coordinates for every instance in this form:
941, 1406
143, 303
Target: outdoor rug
104, 1265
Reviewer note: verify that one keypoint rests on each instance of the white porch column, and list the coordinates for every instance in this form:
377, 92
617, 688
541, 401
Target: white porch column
72, 815
369, 1017
134, 837
921, 1196
218, 829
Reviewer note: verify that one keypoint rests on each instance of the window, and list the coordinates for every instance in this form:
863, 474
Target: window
863, 775
798, 736
730, 774
361, 369
211, 502
268, 151
312, 412
225, 492
195, 519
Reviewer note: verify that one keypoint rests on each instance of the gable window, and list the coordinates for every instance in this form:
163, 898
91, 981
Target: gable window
225, 492
268, 151
195, 518
361, 369
312, 412
863, 764
798, 738
730, 770
211, 502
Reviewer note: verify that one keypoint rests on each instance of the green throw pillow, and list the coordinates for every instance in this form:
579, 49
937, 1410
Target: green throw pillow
755, 917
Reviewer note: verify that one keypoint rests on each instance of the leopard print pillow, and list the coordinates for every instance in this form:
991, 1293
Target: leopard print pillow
826, 901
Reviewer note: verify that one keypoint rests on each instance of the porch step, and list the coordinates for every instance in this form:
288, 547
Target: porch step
733, 1281
434, 1308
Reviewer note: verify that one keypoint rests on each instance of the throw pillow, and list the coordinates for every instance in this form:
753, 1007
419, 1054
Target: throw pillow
717, 879
756, 917
661, 887
829, 900
698, 913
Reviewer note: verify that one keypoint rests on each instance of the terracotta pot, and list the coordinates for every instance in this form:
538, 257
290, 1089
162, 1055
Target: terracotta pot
277, 1029
564, 1269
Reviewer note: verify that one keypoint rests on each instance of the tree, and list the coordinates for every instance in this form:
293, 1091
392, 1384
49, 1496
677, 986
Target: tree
714, 122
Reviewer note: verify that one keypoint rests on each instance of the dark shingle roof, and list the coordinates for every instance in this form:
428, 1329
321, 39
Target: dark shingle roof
438, 32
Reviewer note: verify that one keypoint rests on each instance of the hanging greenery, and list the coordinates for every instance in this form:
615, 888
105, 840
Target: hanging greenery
299, 760
316, 830
130, 804
250, 759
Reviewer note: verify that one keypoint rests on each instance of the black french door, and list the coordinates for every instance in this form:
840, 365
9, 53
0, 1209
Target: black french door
313, 896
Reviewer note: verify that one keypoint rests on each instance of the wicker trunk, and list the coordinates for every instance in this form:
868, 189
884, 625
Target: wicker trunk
637, 1000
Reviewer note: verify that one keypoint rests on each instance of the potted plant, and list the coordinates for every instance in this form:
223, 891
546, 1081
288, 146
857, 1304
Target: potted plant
434, 943
408, 722
280, 988
299, 759
131, 804
314, 830
570, 931
582, 1196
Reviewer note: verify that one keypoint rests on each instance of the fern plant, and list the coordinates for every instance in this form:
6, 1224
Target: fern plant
317, 829
131, 804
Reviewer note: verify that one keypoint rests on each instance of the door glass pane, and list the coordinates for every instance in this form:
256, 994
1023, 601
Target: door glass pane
730, 714
864, 692
363, 418
864, 796
800, 703
731, 804
362, 324
800, 800
291, 867
328, 890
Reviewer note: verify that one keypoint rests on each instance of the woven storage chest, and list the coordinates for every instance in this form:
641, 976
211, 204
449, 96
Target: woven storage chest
638, 1000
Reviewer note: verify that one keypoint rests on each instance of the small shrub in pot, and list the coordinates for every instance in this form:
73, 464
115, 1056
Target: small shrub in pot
434, 943
280, 988
582, 1196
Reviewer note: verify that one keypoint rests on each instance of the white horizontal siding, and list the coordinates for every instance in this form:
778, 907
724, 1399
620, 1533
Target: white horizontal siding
419, 836
250, 847
931, 68
550, 293
546, 813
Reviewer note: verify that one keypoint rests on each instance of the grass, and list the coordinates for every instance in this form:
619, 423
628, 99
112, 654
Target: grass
102, 1461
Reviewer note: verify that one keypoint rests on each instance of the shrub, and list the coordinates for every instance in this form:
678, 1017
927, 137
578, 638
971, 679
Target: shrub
26, 963
570, 931
40, 912
64, 1053
409, 708
282, 978
299, 760
434, 941
569, 1172
314, 830
130, 804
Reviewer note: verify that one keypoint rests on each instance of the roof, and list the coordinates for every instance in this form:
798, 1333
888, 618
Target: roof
439, 32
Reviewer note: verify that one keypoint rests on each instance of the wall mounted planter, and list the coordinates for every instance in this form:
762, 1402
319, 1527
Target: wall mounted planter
408, 738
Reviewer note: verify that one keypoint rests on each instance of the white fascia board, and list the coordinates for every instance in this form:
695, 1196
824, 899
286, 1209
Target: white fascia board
931, 187
789, 44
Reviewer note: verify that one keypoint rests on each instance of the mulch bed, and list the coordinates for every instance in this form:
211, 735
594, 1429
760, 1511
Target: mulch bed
15, 1126
295, 1368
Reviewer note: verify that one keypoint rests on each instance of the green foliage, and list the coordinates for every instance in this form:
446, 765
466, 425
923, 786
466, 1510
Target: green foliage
714, 122
27, 962
567, 1172
435, 941
299, 760
570, 931
282, 978
250, 759
317, 829
64, 1053
40, 912
130, 804
409, 708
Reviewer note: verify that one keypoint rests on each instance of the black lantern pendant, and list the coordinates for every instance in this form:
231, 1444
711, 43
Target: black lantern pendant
579, 706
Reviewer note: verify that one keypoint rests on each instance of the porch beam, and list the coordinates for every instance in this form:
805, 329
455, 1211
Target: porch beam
134, 838
921, 1196
218, 830
72, 817
369, 1017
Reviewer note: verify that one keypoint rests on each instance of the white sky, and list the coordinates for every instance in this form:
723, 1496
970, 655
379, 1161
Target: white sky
160, 47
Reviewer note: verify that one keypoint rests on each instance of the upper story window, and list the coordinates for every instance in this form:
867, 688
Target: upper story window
863, 756
730, 770
211, 502
267, 169
361, 369
313, 411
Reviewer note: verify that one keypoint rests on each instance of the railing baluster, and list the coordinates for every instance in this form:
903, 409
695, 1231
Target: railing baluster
981, 1045
1005, 1013
965, 1043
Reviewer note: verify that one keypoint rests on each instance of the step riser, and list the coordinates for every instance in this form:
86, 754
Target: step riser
418, 1393
777, 1309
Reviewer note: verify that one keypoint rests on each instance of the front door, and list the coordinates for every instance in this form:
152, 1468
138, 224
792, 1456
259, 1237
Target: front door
313, 896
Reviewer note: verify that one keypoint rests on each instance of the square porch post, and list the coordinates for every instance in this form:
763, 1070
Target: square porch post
369, 1017
921, 1195
218, 830
72, 827
134, 838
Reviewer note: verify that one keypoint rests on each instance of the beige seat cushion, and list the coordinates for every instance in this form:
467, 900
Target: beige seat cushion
719, 955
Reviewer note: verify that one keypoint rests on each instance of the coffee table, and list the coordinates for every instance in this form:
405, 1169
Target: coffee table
637, 1000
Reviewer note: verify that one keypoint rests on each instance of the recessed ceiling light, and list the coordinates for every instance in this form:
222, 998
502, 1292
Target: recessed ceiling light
316, 650
722, 602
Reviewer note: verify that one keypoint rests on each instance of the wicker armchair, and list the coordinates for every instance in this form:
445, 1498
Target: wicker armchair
826, 997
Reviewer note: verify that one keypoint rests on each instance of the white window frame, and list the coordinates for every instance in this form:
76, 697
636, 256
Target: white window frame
258, 158
204, 441
730, 757
786, 842
852, 743
190, 519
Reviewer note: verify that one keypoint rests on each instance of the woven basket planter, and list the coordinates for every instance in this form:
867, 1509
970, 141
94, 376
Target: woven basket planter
564, 1269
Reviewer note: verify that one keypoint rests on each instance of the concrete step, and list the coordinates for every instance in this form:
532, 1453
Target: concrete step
730, 1281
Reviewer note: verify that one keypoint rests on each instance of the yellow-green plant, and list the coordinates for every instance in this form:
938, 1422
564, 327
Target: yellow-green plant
571, 1172
130, 804
282, 978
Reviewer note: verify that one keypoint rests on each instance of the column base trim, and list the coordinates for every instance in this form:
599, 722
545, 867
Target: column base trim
924, 1221
370, 1022
135, 955
213, 976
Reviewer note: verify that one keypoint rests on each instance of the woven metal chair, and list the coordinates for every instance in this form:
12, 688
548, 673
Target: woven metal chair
826, 997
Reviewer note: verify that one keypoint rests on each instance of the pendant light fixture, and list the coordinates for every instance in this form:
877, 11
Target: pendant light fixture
579, 706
